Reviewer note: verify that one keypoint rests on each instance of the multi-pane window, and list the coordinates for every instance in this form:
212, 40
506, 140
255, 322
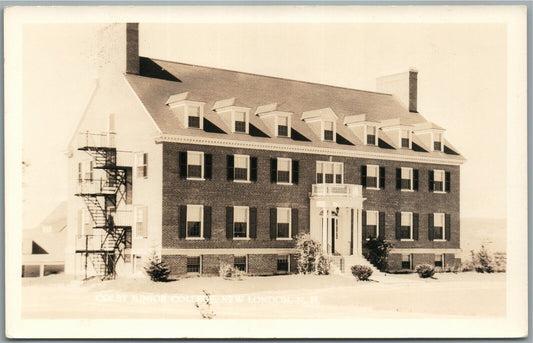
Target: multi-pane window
195, 161
439, 260
193, 264
240, 121
283, 264
194, 221
329, 172
141, 227
437, 142
438, 226
438, 180
239, 262
372, 220
284, 170
328, 131
283, 126
141, 161
406, 261
406, 226
193, 114
371, 135
407, 179
372, 176
242, 163
240, 222
284, 222
88, 170
405, 139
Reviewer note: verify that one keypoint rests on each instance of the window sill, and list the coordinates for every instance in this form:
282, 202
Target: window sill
241, 238
284, 183
283, 239
373, 188
407, 190
406, 240
196, 178
439, 240
194, 238
242, 181
439, 192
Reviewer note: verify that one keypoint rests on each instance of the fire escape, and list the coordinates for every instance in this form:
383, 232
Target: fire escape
102, 198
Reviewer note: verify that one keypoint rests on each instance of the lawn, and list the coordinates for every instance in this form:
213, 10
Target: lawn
291, 296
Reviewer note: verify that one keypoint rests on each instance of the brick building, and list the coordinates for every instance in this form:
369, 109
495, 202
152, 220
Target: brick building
201, 165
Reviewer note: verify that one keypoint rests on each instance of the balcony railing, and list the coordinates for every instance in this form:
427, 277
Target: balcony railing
333, 189
96, 140
123, 218
96, 186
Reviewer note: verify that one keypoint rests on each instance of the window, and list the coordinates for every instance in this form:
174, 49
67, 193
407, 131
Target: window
328, 131
195, 214
439, 259
80, 172
88, 170
406, 261
372, 176
372, 220
283, 264
329, 172
240, 122
193, 264
284, 223
141, 161
241, 168
240, 222
405, 139
284, 170
406, 226
438, 182
195, 164
438, 226
406, 179
141, 227
371, 135
283, 126
194, 116
437, 142
239, 262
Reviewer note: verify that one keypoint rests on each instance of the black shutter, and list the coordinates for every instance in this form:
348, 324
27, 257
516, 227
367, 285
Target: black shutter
398, 224
363, 176
273, 170
208, 166
415, 179
398, 178
183, 164
294, 222
382, 225
431, 229
448, 182
253, 169
295, 171
363, 220
273, 223
382, 177
448, 225
229, 222
207, 222
415, 226
182, 220
431, 181
253, 222
230, 160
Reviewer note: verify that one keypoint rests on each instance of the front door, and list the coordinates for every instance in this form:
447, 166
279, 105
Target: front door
334, 233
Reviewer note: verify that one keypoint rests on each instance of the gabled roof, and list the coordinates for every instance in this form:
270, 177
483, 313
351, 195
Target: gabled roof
233, 88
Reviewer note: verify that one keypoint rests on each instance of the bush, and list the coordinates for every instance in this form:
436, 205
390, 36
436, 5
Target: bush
323, 264
157, 269
311, 259
377, 252
229, 272
362, 273
425, 270
500, 262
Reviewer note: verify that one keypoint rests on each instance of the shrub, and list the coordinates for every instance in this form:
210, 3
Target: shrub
500, 262
229, 272
311, 259
157, 269
425, 270
377, 252
362, 273
483, 261
323, 264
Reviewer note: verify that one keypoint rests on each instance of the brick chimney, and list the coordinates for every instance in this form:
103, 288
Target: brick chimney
132, 48
404, 86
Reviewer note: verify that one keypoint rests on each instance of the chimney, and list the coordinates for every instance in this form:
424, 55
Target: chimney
132, 48
404, 86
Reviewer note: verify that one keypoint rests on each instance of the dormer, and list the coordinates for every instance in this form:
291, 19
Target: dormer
400, 134
234, 114
323, 123
188, 111
430, 135
275, 119
366, 131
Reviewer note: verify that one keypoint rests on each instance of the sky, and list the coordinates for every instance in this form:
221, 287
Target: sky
461, 85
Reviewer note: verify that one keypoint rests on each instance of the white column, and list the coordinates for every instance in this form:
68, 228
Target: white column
324, 231
359, 232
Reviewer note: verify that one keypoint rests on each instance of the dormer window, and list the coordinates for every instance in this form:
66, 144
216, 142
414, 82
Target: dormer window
322, 122
405, 139
240, 122
437, 142
234, 114
283, 126
329, 131
187, 110
276, 119
371, 135
194, 115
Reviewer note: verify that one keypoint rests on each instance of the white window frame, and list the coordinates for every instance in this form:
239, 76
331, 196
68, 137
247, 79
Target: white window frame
433, 140
246, 120
411, 227
366, 134
139, 162
235, 156
247, 209
443, 173
290, 170
136, 210
409, 136
323, 130
276, 124
324, 163
441, 259
245, 261
410, 257
201, 223
202, 161
372, 166
188, 107
443, 239
376, 214
289, 210
200, 264
411, 172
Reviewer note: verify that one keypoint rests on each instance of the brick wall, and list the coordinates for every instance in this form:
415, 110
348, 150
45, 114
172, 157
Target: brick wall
176, 263
262, 264
211, 263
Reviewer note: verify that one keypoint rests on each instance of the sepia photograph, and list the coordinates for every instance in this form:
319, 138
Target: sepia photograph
273, 172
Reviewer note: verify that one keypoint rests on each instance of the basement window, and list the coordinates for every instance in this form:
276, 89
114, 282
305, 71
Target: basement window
406, 261
439, 260
239, 262
283, 264
193, 264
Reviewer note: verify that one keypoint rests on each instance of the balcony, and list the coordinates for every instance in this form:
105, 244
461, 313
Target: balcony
96, 140
123, 218
336, 190
96, 186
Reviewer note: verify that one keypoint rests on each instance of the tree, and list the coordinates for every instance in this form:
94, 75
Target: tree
157, 269
377, 252
311, 259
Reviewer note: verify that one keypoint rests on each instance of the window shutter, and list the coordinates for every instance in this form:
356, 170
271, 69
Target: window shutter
431, 181
208, 166
415, 226
273, 223
363, 176
363, 220
415, 179
398, 178
182, 230
448, 225
295, 171
207, 222
145, 169
294, 222
253, 169
230, 160
448, 182
398, 224
229, 222
253, 222
183, 164
382, 177
431, 229
273, 170
382, 225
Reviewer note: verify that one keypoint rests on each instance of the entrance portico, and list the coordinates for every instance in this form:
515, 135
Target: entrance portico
335, 218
